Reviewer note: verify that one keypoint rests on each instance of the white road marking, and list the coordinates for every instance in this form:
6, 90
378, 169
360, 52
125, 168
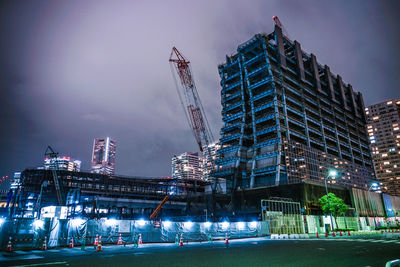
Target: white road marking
42, 264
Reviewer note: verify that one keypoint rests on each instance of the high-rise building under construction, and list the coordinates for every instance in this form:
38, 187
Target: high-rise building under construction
288, 119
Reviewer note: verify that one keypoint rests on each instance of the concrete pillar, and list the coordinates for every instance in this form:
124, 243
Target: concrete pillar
329, 82
299, 61
280, 44
341, 88
314, 66
353, 101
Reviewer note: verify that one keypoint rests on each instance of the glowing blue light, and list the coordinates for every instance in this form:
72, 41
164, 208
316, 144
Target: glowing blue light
167, 224
38, 223
111, 222
2, 220
207, 224
240, 225
188, 224
225, 225
141, 222
253, 224
77, 221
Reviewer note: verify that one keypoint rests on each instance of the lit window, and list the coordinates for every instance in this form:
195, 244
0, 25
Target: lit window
367, 112
384, 155
395, 128
370, 130
369, 126
395, 124
386, 163
375, 118
366, 109
389, 103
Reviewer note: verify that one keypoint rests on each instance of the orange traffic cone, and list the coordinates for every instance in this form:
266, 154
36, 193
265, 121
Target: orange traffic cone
71, 243
44, 246
349, 233
119, 240
140, 239
333, 234
9, 246
99, 245
181, 241
226, 240
341, 233
317, 235
96, 241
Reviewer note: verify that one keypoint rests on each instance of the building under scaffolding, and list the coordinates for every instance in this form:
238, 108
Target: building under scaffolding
96, 195
288, 120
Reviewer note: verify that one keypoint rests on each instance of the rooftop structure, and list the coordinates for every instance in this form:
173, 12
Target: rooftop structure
62, 163
103, 156
288, 119
384, 135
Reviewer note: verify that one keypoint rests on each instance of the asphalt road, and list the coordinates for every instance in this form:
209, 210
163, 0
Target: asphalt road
245, 252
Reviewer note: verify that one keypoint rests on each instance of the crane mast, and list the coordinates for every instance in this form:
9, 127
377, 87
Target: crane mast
192, 107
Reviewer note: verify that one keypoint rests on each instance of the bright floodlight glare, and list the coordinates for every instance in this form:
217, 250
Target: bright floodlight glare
77, 221
141, 222
225, 225
38, 223
188, 224
167, 224
253, 224
332, 173
2, 220
207, 224
240, 225
111, 222
374, 184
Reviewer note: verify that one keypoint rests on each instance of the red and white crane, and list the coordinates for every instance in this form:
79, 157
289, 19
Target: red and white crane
192, 107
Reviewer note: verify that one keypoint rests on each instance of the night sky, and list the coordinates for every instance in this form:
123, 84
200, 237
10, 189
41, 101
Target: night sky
75, 70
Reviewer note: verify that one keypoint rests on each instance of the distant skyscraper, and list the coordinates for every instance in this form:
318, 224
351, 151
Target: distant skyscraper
63, 163
188, 166
384, 134
103, 156
209, 161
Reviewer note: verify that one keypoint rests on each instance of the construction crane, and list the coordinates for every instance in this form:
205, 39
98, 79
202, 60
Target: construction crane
193, 108
52, 155
278, 22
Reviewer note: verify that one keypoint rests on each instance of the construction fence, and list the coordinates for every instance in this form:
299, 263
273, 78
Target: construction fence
30, 233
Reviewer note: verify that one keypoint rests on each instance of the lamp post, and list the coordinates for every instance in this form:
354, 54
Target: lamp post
332, 173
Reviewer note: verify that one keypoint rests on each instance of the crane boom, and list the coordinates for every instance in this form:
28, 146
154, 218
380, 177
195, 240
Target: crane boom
193, 108
157, 210
53, 159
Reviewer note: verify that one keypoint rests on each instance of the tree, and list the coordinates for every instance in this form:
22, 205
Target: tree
337, 205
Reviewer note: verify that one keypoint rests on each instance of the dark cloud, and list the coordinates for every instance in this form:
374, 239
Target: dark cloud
75, 70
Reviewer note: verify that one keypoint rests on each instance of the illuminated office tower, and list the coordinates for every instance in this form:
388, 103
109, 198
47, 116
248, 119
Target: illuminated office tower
103, 156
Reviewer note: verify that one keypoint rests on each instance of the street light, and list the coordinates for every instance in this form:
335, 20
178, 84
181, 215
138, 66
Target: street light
331, 174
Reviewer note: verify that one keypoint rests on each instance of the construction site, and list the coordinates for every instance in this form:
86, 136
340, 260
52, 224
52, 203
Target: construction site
287, 121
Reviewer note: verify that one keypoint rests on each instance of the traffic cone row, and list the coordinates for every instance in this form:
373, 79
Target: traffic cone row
341, 233
181, 241
44, 246
99, 245
96, 241
119, 240
71, 243
9, 245
140, 239
333, 234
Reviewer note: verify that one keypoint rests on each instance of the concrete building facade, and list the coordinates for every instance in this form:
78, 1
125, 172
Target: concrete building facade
384, 134
288, 119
